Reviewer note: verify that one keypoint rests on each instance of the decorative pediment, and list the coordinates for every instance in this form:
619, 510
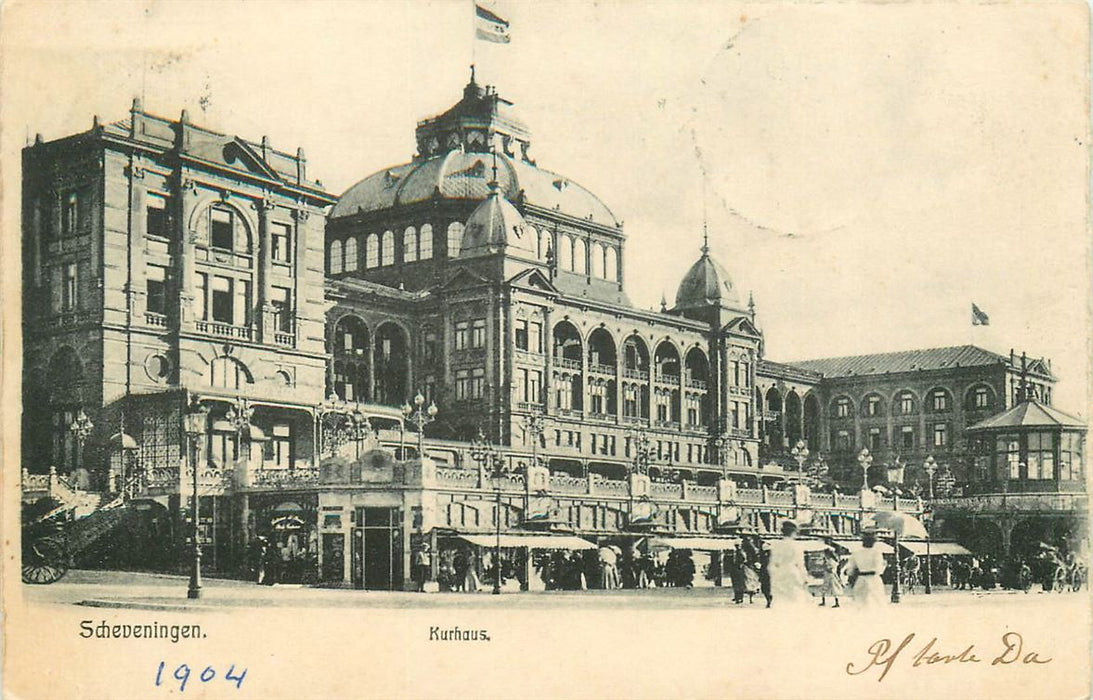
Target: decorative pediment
742, 325
238, 153
462, 279
534, 279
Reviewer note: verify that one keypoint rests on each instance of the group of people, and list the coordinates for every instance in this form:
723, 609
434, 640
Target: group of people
285, 562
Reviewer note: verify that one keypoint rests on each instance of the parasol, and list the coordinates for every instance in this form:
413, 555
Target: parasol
900, 523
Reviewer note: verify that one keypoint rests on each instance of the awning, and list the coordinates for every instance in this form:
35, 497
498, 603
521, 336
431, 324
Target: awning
812, 545
530, 541
708, 544
919, 547
855, 545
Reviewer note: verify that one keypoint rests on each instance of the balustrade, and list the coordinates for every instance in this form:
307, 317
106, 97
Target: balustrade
702, 493
668, 491
302, 476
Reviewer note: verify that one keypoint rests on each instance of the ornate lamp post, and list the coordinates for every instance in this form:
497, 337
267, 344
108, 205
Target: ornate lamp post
329, 438
421, 416
359, 428
865, 460
719, 443
238, 416
196, 423
800, 453
930, 467
81, 429
895, 476
642, 450
483, 452
535, 423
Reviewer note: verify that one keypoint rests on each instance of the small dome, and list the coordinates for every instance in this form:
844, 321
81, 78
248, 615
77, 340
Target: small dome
495, 225
707, 283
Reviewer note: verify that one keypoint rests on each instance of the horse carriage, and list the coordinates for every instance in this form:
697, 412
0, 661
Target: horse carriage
54, 533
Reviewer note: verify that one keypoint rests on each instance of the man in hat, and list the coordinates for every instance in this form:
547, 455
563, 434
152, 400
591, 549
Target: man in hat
864, 569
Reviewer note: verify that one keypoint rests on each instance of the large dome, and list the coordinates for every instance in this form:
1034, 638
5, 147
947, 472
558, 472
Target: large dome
707, 283
460, 175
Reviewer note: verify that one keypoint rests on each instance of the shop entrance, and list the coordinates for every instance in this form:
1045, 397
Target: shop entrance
377, 549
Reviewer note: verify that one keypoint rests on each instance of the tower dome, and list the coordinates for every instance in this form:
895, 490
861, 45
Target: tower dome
707, 283
496, 225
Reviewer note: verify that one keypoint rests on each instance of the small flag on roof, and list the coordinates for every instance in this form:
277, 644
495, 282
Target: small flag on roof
978, 317
490, 27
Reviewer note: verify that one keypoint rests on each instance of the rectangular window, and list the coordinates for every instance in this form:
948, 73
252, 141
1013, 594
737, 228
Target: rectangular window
281, 243
478, 333
874, 439
941, 435
478, 383
745, 372
156, 288
429, 346
243, 303
69, 287
906, 404
907, 437
941, 401
281, 447
223, 307
872, 406
535, 386
155, 216
462, 384
842, 440
522, 334
70, 213
281, 300
535, 337
981, 397
201, 294
462, 335
220, 229
842, 408
735, 373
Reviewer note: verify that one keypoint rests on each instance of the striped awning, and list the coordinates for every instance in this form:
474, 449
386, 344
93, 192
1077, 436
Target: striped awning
537, 541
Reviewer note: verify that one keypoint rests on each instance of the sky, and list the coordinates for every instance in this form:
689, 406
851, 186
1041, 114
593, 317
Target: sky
866, 170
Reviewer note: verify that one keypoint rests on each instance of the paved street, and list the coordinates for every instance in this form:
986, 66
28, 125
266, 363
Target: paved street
166, 592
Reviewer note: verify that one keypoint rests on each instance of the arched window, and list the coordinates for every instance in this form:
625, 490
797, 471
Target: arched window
351, 254
372, 251
597, 260
545, 244
565, 253
336, 260
387, 248
426, 242
409, 244
611, 264
455, 239
580, 255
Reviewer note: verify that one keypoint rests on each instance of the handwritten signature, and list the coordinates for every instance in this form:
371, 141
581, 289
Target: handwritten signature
883, 655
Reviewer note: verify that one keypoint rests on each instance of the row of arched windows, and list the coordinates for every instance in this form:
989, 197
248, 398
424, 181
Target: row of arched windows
906, 402
575, 255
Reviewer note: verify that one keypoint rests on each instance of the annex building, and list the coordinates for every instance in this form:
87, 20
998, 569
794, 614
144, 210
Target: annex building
166, 265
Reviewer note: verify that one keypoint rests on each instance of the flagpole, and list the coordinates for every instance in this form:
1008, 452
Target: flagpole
474, 33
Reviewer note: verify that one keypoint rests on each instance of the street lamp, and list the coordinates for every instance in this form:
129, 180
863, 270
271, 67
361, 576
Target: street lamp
359, 428
930, 467
535, 424
865, 460
238, 416
421, 416
800, 453
195, 425
483, 452
642, 450
895, 476
81, 429
332, 405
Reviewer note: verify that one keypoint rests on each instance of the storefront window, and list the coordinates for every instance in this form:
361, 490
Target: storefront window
1041, 456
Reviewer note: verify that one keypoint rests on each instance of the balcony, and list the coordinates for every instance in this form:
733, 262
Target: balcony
602, 369
225, 330
286, 339
283, 478
566, 363
664, 378
157, 320
707, 494
697, 384
666, 425
637, 374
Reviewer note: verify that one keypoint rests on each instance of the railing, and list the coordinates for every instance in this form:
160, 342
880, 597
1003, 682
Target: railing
570, 412
68, 318
749, 495
666, 378
528, 406
696, 384
847, 501
635, 374
610, 487
672, 491
155, 319
162, 477
281, 338
667, 424
508, 482
601, 369
457, 478
780, 498
566, 363
302, 476
226, 330
702, 493
35, 482
568, 484
739, 390
635, 420
885, 503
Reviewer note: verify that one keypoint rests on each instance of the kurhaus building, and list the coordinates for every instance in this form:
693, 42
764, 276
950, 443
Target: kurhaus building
166, 265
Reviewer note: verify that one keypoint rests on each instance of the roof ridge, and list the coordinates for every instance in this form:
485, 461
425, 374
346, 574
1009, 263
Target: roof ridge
900, 352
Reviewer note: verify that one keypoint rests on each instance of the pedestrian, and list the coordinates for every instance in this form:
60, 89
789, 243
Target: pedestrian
833, 581
686, 569
753, 555
422, 564
786, 569
865, 568
737, 563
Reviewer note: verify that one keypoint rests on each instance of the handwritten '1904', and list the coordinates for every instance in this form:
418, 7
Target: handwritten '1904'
208, 674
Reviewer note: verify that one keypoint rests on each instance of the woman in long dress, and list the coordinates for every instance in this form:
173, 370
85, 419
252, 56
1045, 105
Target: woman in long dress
752, 555
864, 570
833, 581
788, 578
